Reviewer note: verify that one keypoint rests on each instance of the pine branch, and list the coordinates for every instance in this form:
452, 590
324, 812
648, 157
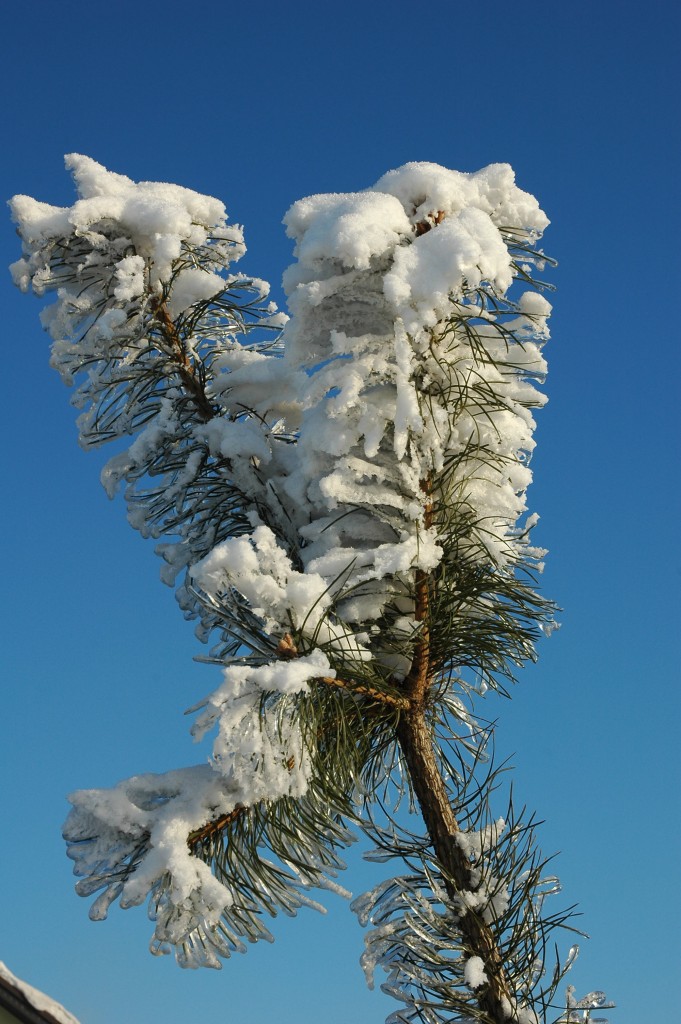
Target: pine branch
391, 542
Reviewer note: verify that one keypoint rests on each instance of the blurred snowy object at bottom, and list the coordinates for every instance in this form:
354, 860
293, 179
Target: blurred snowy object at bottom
27, 1004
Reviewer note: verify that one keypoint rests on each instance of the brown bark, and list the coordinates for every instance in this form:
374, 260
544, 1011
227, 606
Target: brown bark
214, 828
177, 350
414, 736
415, 740
365, 691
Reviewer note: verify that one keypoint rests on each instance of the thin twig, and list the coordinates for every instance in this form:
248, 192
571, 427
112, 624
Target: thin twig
403, 703
218, 825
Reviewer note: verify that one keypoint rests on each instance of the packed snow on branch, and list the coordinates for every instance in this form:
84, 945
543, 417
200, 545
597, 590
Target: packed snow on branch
156, 219
153, 814
304, 480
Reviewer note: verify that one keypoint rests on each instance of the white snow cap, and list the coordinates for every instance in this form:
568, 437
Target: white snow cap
158, 217
391, 220
425, 189
352, 228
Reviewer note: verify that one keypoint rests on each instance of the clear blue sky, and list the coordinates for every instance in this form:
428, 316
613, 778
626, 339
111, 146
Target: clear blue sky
260, 105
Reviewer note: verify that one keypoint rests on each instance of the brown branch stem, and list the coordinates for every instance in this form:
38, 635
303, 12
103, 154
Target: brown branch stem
177, 350
287, 651
215, 827
402, 703
495, 997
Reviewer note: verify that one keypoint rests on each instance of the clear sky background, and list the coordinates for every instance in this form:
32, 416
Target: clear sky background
261, 104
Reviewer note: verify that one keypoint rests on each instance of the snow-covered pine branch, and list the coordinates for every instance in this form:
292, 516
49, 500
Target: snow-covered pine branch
344, 503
